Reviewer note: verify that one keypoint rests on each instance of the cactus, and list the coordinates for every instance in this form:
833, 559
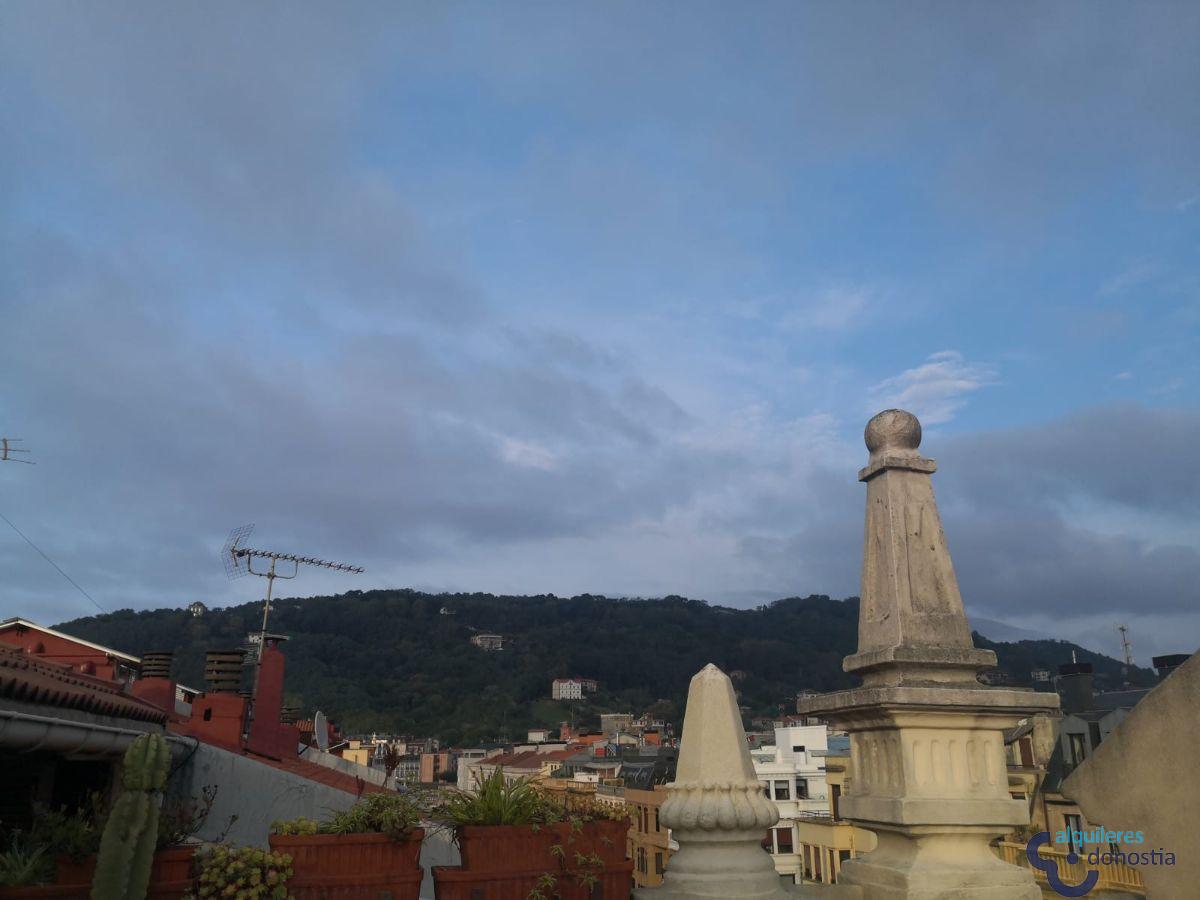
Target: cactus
127, 847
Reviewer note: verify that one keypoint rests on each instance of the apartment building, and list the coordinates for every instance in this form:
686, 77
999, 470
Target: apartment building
792, 773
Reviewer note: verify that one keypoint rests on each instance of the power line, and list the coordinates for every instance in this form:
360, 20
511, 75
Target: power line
52, 562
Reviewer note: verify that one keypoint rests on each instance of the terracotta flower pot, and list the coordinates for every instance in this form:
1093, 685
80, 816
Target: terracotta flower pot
171, 873
506, 848
70, 871
351, 866
604, 838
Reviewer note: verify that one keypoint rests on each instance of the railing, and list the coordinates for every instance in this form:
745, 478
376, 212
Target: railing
1112, 875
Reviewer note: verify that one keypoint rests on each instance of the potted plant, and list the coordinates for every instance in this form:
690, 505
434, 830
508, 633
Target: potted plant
72, 840
513, 841
247, 873
374, 846
26, 867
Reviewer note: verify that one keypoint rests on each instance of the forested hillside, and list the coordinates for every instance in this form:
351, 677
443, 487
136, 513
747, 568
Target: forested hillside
392, 661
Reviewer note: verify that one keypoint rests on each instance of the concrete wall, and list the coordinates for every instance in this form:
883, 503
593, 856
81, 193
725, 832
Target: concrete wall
349, 767
259, 794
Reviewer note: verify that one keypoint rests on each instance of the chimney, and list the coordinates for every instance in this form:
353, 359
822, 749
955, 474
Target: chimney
1167, 664
1075, 686
154, 685
223, 671
269, 735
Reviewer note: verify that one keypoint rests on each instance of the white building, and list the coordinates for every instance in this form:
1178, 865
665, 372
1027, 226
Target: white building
489, 641
572, 688
793, 776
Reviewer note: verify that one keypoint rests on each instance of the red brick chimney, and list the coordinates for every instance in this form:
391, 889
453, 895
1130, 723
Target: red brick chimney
155, 685
268, 735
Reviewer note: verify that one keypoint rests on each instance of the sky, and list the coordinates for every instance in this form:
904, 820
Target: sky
597, 298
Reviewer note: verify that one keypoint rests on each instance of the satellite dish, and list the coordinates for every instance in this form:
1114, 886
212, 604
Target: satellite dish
321, 731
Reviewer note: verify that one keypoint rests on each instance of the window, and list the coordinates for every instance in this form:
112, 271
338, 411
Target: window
783, 840
801, 788
1078, 749
657, 827
1026, 747
1073, 825
659, 868
783, 790
766, 786
799, 748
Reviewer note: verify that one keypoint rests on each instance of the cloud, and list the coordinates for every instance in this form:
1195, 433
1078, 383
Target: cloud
935, 390
405, 293
833, 309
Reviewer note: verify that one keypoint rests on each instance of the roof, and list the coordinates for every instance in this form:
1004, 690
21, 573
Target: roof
31, 680
16, 620
1119, 699
312, 771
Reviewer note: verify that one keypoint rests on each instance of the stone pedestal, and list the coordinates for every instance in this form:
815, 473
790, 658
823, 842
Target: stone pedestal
715, 808
926, 737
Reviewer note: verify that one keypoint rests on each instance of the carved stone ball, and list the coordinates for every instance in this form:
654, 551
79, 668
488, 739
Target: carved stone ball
893, 430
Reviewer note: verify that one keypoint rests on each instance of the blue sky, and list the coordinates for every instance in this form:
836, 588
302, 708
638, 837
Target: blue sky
597, 298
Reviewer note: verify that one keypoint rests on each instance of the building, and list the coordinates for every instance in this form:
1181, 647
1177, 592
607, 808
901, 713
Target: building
467, 779
792, 775
649, 845
1044, 750
197, 609
616, 723
825, 841
572, 688
489, 642
435, 767
77, 654
87, 703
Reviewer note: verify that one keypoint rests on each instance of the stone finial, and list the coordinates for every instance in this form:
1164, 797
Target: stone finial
911, 618
926, 739
894, 431
715, 808
719, 751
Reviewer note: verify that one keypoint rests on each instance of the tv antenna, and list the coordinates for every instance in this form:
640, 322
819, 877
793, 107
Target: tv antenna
1128, 648
7, 449
239, 561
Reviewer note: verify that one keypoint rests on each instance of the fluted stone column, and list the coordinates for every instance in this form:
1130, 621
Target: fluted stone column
715, 808
926, 738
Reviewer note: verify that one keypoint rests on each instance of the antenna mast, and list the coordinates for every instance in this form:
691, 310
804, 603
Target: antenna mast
1128, 648
7, 449
239, 561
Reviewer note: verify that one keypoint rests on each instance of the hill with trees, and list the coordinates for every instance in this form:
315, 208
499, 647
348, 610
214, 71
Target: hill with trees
401, 661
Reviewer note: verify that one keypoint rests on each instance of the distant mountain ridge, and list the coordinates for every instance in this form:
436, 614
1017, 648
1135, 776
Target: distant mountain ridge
390, 660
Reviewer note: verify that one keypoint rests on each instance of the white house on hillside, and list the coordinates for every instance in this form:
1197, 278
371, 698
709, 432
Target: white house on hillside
794, 778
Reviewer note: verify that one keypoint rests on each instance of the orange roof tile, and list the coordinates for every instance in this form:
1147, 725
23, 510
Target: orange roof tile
32, 680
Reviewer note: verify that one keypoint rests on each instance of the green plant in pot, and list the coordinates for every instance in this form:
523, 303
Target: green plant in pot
25, 862
509, 833
376, 842
247, 873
